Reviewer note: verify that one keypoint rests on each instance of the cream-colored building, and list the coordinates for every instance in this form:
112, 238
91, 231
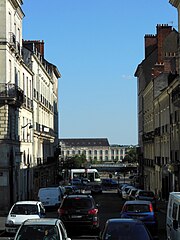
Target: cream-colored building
95, 149
28, 109
158, 142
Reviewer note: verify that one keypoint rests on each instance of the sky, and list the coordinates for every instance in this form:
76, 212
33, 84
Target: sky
97, 46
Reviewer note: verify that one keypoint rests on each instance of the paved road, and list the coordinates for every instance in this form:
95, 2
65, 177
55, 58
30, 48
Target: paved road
110, 207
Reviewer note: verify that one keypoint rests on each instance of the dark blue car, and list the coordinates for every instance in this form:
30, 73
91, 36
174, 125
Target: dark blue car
124, 229
109, 182
143, 211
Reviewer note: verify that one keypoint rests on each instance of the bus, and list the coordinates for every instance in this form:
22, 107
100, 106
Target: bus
90, 174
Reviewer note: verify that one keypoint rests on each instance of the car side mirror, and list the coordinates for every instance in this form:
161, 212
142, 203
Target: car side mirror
175, 224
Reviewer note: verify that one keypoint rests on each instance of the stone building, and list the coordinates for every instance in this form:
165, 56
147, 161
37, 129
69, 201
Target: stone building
157, 77
95, 149
28, 110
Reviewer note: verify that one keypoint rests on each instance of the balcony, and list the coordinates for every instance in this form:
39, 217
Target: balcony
157, 132
11, 94
176, 96
148, 136
12, 40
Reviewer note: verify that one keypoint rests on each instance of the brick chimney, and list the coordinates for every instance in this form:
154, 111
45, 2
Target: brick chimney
150, 44
162, 32
35, 45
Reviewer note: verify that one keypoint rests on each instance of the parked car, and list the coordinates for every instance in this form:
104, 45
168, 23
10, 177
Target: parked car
124, 229
173, 216
125, 191
21, 211
147, 196
96, 188
79, 211
109, 182
42, 229
120, 187
76, 182
132, 193
142, 210
50, 196
69, 190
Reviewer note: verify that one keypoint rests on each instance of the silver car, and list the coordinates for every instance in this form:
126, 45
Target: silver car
42, 229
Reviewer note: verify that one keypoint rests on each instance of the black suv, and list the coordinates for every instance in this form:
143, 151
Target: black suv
79, 211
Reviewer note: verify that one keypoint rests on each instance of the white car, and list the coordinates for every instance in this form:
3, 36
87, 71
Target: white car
22, 211
42, 229
125, 191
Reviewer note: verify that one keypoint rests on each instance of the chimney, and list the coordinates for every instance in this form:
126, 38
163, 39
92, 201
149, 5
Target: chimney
162, 32
35, 45
39, 45
150, 44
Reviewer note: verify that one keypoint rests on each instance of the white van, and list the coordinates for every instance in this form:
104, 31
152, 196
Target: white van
50, 196
173, 216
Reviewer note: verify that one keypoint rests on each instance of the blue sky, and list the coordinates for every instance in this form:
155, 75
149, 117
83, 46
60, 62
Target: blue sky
97, 46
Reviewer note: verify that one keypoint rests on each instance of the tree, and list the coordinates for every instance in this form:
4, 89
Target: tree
131, 155
77, 161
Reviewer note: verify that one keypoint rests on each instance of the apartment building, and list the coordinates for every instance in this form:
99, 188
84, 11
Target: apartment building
28, 110
157, 76
95, 149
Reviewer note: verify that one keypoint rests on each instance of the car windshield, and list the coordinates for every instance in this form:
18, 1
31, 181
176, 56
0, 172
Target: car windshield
24, 209
77, 203
137, 208
38, 232
120, 231
146, 194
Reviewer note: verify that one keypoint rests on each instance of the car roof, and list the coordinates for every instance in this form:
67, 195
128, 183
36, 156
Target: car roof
123, 220
78, 196
137, 202
28, 202
41, 221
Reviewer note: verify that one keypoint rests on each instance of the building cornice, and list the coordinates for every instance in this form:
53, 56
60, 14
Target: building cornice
17, 6
175, 3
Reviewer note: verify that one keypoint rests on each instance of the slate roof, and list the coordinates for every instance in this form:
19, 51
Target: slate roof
85, 142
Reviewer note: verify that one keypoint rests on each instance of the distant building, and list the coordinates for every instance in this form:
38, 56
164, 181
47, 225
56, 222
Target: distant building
95, 149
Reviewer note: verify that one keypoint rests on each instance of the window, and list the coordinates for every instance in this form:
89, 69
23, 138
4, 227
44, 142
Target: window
175, 211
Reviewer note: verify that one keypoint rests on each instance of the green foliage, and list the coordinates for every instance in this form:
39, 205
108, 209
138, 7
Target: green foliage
131, 155
78, 161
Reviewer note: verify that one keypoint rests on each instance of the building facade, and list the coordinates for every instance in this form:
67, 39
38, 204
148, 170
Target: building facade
95, 149
28, 110
157, 77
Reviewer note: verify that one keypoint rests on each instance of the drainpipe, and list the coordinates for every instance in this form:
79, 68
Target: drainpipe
170, 132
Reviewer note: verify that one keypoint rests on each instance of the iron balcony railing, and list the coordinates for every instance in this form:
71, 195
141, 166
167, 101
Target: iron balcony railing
11, 92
